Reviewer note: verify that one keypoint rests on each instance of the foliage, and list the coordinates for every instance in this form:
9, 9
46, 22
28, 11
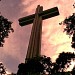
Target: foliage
62, 62
69, 22
35, 65
44, 64
73, 71
5, 28
2, 69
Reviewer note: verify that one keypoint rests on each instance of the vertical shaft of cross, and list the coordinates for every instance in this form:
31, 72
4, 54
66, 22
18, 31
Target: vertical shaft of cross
34, 47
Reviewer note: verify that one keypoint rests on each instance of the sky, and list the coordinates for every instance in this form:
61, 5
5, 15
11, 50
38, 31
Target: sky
53, 42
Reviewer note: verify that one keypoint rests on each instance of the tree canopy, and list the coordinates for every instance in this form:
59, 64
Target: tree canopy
44, 64
5, 29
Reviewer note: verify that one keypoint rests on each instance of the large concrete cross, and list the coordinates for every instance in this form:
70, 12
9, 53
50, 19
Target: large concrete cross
34, 47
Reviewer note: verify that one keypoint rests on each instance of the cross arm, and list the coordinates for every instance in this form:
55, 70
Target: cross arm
44, 14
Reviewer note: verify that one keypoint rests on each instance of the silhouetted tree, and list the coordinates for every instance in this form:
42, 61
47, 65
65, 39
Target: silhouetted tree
47, 63
73, 71
35, 65
43, 65
62, 62
5, 29
2, 69
69, 22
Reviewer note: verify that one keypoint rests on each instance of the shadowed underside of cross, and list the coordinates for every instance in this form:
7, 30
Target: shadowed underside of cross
34, 47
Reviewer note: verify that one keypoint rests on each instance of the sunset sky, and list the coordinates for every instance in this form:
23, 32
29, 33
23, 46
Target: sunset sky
54, 41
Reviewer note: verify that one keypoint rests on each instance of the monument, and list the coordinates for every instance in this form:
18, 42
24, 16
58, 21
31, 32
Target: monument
34, 47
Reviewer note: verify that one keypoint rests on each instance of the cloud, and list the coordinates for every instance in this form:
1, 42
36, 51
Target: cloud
12, 51
11, 9
54, 40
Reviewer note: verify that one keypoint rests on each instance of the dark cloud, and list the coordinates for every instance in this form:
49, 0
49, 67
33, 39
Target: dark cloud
11, 62
11, 9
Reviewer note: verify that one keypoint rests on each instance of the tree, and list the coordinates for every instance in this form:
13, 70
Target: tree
69, 22
44, 65
36, 65
5, 29
63, 62
73, 71
2, 69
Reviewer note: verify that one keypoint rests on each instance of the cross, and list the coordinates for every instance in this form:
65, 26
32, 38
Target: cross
34, 47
